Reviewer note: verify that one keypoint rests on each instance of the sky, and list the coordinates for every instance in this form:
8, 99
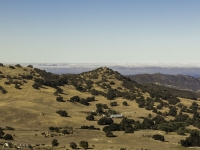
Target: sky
100, 31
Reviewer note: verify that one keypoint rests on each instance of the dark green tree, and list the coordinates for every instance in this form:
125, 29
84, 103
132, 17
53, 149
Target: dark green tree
110, 94
73, 145
158, 137
59, 99
54, 142
83, 144
125, 103
8, 137
90, 118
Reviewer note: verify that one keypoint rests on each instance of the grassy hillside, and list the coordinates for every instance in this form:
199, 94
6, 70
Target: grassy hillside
30, 99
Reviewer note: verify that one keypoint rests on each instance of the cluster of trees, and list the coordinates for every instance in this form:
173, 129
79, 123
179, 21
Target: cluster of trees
166, 92
83, 144
125, 125
100, 107
50, 79
105, 121
5, 137
192, 140
148, 104
82, 100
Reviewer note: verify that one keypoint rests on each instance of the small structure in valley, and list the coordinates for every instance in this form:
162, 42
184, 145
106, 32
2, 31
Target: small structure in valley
24, 146
116, 116
7, 145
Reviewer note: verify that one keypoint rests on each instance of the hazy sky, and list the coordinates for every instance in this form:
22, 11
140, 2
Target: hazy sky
122, 31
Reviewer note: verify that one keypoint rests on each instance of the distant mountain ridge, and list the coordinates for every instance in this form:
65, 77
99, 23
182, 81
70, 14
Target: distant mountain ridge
123, 68
184, 82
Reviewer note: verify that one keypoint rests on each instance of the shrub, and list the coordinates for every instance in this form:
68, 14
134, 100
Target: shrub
11, 67
113, 104
112, 83
62, 113
158, 137
57, 129
83, 144
17, 86
73, 145
129, 130
90, 118
3, 90
90, 99
9, 128
110, 95
54, 142
8, 137
7, 83
1, 64
74, 99
65, 132
104, 106
1, 132
18, 65
94, 92
60, 99
59, 90
84, 102
125, 103
110, 134
30, 66
192, 140
105, 121
79, 88
35, 85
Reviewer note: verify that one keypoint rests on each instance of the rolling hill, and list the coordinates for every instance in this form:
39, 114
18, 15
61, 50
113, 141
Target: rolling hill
43, 106
183, 82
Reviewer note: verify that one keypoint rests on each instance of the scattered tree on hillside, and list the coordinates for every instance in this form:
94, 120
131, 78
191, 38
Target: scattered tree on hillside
125, 103
62, 113
158, 137
74, 99
110, 134
83, 144
113, 104
90, 118
192, 140
3, 90
35, 85
30, 66
105, 121
73, 145
60, 99
54, 142
8, 137
110, 94
1, 132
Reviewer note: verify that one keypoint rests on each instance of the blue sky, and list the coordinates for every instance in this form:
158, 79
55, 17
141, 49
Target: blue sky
113, 31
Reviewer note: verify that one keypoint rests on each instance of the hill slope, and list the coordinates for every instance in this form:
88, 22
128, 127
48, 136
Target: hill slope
175, 81
31, 99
